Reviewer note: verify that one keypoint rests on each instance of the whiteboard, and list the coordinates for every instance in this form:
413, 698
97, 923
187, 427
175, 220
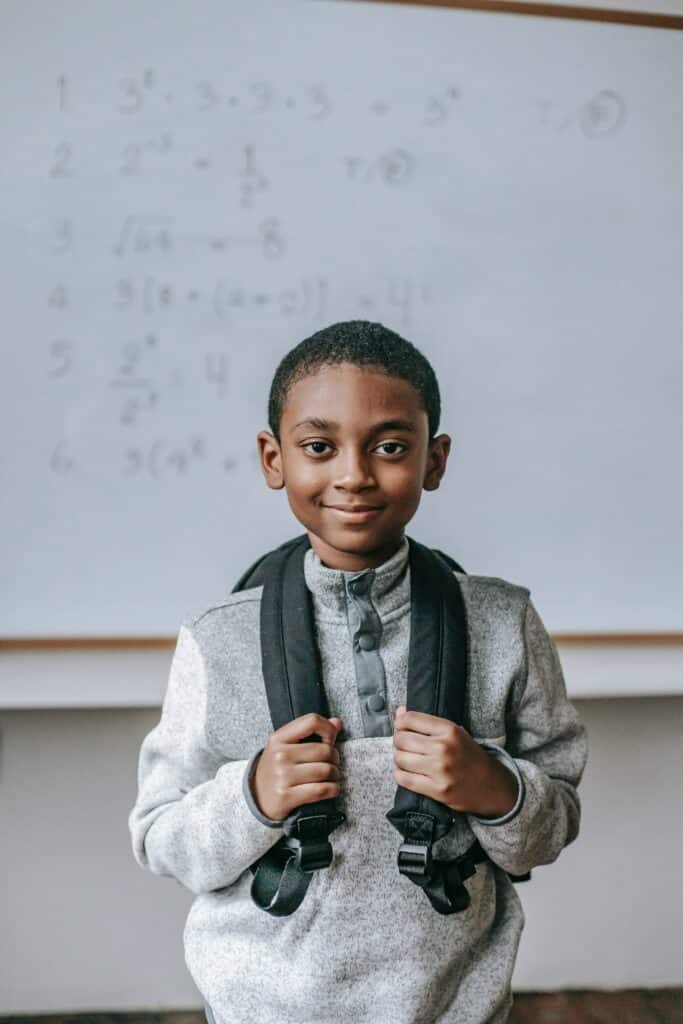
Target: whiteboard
189, 190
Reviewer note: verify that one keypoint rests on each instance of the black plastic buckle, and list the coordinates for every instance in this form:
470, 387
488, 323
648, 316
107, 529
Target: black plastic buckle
311, 856
415, 859
312, 848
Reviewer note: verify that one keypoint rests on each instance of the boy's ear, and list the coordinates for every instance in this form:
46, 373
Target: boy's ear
271, 459
437, 457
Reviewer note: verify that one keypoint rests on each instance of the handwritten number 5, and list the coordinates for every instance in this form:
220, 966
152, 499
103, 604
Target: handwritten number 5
132, 96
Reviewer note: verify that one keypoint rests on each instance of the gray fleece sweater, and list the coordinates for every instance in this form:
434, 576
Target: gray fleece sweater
365, 945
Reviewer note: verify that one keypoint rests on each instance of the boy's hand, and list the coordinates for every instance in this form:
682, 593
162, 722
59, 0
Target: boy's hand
290, 773
439, 759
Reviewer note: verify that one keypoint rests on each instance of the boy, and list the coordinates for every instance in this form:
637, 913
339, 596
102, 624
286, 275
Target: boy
353, 417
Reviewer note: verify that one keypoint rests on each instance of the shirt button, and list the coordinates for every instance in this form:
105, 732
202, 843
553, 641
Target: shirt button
367, 642
360, 585
376, 702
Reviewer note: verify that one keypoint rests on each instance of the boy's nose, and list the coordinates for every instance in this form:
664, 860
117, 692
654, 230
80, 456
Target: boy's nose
353, 471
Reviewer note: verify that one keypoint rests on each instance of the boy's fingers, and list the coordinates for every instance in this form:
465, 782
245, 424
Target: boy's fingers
420, 721
307, 792
301, 753
310, 725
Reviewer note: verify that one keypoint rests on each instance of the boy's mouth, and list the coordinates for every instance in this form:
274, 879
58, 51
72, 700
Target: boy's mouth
355, 513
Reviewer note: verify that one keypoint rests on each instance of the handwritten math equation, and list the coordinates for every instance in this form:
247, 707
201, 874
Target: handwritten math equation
159, 459
144, 92
391, 166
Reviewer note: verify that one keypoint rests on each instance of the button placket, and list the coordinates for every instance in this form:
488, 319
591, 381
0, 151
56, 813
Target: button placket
370, 677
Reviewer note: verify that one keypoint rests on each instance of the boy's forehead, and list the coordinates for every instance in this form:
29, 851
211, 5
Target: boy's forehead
339, 387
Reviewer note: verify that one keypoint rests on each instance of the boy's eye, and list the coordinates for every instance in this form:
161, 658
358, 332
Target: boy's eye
316, 447
396, 447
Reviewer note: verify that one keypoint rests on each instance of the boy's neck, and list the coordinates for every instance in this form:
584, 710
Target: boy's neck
353, 561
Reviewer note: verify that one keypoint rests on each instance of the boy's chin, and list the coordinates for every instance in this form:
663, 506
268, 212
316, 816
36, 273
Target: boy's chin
355, 540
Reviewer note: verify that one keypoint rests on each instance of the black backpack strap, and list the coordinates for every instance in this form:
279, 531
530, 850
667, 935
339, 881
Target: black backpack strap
252, 576
441, 880
257, 572
437, 677
450, 562
293, 677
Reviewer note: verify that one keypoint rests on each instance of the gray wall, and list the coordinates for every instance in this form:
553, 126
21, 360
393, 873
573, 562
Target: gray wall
85, 928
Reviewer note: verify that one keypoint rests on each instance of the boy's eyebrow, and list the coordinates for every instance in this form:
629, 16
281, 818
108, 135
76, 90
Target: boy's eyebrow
314, 421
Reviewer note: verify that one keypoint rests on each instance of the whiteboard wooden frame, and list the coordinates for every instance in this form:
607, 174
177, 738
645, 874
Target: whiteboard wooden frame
651, 19
142, 643
615, 640
113, 677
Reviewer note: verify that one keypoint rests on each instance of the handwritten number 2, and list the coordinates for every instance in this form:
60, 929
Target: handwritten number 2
61, 164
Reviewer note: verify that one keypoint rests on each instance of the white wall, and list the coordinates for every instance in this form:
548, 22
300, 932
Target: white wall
84, 928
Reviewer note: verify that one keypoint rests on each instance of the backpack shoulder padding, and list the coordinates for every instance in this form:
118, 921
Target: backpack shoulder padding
257, 572
450, 562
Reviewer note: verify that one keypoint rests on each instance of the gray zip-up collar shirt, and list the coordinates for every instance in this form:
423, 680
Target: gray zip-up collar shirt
365, 944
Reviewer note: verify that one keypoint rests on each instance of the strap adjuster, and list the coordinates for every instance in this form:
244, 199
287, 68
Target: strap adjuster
415, 859
312, 848
311, 856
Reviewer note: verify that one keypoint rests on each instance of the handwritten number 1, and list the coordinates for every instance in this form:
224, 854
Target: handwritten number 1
62, 94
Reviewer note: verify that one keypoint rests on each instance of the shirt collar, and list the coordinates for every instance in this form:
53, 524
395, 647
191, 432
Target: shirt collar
388, 584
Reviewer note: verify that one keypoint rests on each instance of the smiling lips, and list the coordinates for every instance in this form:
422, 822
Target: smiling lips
355, 513
354, 508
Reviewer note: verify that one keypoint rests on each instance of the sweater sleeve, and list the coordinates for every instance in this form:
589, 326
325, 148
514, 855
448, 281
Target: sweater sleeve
547, 745
191, 820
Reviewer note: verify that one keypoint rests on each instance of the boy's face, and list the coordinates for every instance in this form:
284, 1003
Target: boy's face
354, 456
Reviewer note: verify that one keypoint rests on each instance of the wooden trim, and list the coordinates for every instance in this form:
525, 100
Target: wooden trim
618, 639
131, 643
70, 643
651, 19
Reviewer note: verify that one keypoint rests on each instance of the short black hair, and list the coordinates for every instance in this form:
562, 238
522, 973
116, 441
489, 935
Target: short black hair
362, 343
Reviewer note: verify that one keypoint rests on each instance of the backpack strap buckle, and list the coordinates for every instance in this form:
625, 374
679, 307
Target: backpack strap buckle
311, 846
415, 859
415, 853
